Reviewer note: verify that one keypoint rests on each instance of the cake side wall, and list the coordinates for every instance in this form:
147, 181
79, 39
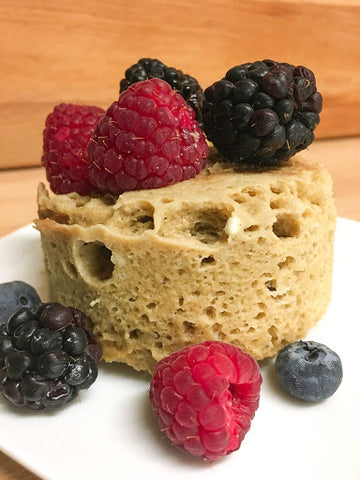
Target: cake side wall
258, 277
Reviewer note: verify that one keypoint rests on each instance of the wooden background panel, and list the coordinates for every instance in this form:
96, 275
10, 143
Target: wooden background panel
77, 50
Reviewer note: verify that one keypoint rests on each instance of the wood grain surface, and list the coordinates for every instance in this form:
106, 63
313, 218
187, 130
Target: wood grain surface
77, 51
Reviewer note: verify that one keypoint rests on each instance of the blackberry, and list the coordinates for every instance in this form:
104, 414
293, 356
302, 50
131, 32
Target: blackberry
187, 86
262, 113
46, 356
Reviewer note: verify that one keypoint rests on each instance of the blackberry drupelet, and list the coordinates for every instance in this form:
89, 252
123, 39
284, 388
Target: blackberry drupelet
262, 113
46, 356
187, 86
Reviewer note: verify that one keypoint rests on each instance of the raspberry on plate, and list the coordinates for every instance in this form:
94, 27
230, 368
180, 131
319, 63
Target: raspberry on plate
68, 129
148, 138
205, 397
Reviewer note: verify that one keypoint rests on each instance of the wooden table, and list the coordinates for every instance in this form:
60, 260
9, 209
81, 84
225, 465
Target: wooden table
18, 208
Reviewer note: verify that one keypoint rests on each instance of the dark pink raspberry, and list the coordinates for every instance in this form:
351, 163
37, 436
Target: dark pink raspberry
149, 138
68, 129
205, 397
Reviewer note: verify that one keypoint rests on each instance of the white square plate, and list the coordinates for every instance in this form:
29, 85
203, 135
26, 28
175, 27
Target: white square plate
110, 432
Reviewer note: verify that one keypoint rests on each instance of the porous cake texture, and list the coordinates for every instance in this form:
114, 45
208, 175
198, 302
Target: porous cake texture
244, 257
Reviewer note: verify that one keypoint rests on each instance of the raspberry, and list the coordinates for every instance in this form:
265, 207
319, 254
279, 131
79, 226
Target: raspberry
205, 397
262, 113
68, 129
46, 356
147, 139
187, 86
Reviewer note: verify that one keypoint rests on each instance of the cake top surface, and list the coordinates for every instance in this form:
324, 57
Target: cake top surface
217, 204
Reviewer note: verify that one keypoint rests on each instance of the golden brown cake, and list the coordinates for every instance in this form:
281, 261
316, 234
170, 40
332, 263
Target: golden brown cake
238, 256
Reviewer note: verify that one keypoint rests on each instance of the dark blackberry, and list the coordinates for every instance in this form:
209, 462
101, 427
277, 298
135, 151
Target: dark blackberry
46, 356
262, 113
187, 86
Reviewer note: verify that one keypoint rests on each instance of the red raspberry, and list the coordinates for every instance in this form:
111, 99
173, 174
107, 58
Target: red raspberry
149, 138
205, 397
68, 129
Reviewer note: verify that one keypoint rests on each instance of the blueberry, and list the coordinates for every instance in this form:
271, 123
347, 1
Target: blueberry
15, 295
309, 371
